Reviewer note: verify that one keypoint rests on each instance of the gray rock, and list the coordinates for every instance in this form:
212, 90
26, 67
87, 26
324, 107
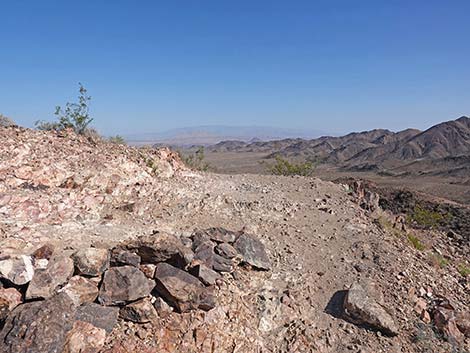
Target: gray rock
120, 257
141, 311
39, 326
159, 247
124, 284
91, 261
104, 317
362, 308
205, 274
226, 250
221, 264
177, 287
253, 252
17, 269
46, 281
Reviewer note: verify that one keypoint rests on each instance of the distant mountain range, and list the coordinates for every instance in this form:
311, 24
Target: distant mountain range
448, 143
212, 134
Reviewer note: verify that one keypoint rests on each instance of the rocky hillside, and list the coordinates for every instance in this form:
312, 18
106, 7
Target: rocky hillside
107, 248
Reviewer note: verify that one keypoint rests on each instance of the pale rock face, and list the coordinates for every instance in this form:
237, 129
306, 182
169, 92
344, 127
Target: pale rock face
17, 269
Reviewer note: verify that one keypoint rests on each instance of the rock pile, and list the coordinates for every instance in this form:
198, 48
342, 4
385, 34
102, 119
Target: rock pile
57, 301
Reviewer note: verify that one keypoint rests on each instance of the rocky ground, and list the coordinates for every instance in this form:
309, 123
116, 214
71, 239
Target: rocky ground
107, 248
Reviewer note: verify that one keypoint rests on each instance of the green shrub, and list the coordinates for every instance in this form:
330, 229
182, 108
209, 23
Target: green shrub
417, 244
119, 140
196, 160
75, 115
425, 218
284, 167
464, 270
437, 260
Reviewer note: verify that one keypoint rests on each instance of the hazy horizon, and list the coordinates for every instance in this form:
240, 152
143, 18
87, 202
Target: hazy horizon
329, 66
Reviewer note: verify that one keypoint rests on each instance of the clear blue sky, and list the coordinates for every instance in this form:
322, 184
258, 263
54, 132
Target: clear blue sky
330, 65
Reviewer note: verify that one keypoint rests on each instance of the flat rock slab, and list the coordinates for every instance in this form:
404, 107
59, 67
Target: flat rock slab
205, 274
155, 248
120, 257
253, 252
91, 261
17, 269
219, 234
363, 309
104, 317
40, 326
124, 284
46, 281
177, 287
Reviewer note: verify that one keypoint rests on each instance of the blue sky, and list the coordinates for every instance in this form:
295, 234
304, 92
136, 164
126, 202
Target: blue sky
335, 66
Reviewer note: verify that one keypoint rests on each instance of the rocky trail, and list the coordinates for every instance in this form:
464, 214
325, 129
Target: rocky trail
108, 248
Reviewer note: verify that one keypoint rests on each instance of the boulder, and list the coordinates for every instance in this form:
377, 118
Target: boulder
141, 311
205, 274
104, 317
124, 284
253, 252
120, 257
204, 254
159, 247
363, 309
81, 290
10, 298
46, 281
226, 250
177, 287
91, 261
40, 326
17, 269
84, 338
219, 234
162, 307
221, 264
463, 323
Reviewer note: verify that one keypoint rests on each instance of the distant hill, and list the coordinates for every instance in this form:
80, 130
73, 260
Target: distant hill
375, 149
213, 134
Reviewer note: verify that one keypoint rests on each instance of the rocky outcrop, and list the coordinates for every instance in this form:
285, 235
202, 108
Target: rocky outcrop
253, 252
91, 261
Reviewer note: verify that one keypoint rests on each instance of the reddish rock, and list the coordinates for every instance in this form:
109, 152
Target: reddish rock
148, 270
445, 322
463, 323
46, 281
84, 338
177, 287
10, 298
141, 311
91, 261
81, 290
124, 284
44, 252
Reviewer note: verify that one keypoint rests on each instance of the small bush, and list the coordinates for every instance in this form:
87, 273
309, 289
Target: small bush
464, 270
119, 140
75, 115
417, 244
196, 160
286, 168
425, 218
438, 260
